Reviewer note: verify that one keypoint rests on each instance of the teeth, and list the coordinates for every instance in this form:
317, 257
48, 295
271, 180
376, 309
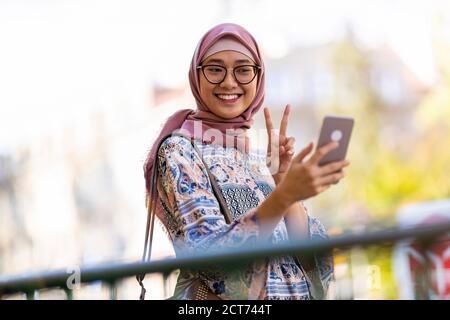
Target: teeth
228, 96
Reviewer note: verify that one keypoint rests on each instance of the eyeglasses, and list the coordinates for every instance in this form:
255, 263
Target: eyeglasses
215, 74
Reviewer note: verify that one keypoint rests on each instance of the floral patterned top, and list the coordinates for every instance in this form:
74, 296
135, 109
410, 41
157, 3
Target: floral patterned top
194, 220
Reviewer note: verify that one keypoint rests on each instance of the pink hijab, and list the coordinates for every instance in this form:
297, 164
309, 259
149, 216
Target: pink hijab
185, 119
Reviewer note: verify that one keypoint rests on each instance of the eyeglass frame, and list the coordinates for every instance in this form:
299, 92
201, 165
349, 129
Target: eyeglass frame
258, 68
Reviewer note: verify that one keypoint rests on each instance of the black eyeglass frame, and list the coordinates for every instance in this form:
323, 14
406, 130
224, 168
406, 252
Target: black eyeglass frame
258, 68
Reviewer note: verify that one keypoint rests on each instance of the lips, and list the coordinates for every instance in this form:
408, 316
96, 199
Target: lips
228, 98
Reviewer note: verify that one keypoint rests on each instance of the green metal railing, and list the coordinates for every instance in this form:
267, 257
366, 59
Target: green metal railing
111, 273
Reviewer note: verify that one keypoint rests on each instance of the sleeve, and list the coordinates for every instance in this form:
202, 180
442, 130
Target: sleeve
196, 214
320, 269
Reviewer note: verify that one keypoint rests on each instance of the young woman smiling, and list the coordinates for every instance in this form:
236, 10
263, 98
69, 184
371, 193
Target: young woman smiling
215, 191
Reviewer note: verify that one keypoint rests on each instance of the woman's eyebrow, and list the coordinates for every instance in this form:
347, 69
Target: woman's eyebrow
242, 61
220, 61
215, 61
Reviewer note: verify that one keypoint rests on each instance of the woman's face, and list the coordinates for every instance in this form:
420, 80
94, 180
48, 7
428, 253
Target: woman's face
227, 99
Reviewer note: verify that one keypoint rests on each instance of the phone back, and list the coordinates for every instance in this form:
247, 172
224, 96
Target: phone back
335, 129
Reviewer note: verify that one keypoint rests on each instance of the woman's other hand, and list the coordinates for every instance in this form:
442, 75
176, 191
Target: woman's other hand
280, 147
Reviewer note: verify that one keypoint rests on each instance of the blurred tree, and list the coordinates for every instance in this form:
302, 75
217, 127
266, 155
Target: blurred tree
386, 173
432, 155
353, 95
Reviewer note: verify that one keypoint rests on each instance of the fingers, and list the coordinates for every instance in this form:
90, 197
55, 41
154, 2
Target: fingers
289, 146
333, 167
269, 128
330, 179
282, 136
284, 120
322, 151
322, 188
269, 124
302, 154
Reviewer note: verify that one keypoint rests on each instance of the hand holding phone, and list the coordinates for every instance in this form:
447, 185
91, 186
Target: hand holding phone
308, 178
338, 129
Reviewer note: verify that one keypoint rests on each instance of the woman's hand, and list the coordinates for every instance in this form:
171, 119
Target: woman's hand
280, 147
305, 179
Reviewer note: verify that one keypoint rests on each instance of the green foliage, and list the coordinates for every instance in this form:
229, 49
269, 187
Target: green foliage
381, 257
388, 171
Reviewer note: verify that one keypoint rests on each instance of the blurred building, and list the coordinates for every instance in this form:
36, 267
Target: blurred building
306, 79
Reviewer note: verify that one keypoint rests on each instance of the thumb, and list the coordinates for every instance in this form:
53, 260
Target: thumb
302, 154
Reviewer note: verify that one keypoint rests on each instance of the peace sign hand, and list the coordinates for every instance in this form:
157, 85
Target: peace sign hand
280, 147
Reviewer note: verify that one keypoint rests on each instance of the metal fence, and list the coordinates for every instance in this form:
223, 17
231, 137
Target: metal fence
111, 273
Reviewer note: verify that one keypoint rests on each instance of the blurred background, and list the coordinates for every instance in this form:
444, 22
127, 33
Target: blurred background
86, 85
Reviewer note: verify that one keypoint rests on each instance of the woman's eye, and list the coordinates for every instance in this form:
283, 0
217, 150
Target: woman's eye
214, 70
244, 70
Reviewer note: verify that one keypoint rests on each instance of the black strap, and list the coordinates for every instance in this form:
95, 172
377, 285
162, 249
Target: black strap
151, 206
148, 231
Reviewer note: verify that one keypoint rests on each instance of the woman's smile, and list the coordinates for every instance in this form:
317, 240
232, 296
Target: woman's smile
229, 99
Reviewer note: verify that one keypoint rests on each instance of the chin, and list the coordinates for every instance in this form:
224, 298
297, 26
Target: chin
229, 115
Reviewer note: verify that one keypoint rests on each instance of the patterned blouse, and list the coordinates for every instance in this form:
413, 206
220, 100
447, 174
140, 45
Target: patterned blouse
194, 220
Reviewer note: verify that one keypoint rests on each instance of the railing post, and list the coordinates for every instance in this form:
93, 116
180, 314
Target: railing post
166, 283
30, 295
426, 282
69, 293
112, 285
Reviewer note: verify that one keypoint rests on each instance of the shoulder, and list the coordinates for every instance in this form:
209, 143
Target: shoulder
178, 149
177, 159
174, 143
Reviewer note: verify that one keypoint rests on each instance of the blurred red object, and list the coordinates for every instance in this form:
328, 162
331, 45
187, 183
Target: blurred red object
423, 270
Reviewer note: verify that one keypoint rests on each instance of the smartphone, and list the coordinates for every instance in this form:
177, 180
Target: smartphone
337, 129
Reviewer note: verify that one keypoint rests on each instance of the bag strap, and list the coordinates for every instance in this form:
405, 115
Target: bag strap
151, 206
148, 232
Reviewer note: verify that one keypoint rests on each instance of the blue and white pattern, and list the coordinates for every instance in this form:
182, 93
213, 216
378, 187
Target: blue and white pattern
194, 221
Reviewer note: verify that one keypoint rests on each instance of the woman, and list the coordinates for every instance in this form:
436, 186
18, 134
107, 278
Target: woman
263, 197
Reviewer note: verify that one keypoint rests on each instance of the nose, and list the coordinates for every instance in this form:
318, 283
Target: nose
229, 82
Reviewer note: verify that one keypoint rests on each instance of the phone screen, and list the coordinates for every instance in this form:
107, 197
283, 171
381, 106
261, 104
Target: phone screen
337, 129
